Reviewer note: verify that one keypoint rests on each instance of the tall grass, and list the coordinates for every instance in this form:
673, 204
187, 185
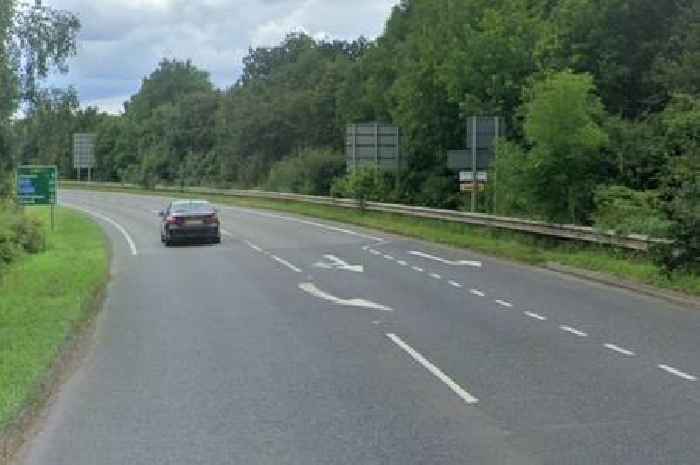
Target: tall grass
43, 299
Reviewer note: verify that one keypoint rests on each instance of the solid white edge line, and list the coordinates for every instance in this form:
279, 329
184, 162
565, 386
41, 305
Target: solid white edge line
455, 284
619, 349
678, 373
310, 223
119, 227
503, 303
435, 371
285, 263
574, 331
477, 293
536, 316
445, 261
253, 246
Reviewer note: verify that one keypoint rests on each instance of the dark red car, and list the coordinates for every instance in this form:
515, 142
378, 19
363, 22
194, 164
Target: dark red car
190, 220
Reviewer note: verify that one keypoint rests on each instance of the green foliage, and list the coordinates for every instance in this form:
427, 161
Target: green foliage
45, 298
365, 184
311, 172
42, 38
563, 124
626, 211
510, 190
439, 191
681, 185
684, 211
19, 234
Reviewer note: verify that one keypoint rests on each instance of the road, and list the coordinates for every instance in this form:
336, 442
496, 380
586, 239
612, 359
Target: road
297, 341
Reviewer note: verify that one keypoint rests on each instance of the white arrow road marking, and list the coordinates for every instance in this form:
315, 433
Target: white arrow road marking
472, 263
310, 288
337, 263
119, 227
435, 371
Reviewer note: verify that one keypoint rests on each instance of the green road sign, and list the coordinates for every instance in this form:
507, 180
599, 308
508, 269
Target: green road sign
36, 185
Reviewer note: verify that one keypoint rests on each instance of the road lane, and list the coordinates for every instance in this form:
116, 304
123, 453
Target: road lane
214, 355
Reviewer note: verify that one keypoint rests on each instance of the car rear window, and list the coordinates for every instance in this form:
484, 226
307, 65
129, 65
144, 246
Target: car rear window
193, 207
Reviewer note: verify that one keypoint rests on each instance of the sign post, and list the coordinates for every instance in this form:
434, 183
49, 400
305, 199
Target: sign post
37, 185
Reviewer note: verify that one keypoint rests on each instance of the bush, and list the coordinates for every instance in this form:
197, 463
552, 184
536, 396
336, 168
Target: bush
439, 192
312, 172
18, 234
365, 184
681, 185
683, 209
626, 211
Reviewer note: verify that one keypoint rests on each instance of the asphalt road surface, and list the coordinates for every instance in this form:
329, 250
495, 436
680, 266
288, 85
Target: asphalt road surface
297, 341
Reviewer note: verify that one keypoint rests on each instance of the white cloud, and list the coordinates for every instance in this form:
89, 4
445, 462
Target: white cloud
122, 41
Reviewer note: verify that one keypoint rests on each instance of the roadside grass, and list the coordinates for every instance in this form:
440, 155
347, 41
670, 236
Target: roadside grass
511, 245
44, 299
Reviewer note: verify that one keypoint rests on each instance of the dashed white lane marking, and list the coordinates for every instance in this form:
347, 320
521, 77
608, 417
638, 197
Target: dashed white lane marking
365, 247
435, 276
574, 331
455, 284
435, 371
374, 252
418, 269
536, 316
402, 263
253, 246
678, 373
619, 350
310, 223
310, 288
226, 233
503, 303
119, 227
447, 262
477, 292
285, 263
389, 257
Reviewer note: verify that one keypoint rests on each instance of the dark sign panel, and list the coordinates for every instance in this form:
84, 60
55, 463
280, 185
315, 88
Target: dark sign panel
36, 185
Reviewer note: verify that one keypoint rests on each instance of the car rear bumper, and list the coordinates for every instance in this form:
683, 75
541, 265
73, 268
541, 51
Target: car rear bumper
193, 232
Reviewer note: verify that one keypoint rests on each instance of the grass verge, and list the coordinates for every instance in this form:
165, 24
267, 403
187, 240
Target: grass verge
44, 299
520, 247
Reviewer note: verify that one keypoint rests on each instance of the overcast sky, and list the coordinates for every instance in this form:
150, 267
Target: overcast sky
122, 41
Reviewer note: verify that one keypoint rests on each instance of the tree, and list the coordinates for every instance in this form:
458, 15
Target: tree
617, 42
34, 39
42, 38
563, 125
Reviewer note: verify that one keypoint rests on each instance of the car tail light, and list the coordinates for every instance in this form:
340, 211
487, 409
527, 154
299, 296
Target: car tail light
174, 220
211, 219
